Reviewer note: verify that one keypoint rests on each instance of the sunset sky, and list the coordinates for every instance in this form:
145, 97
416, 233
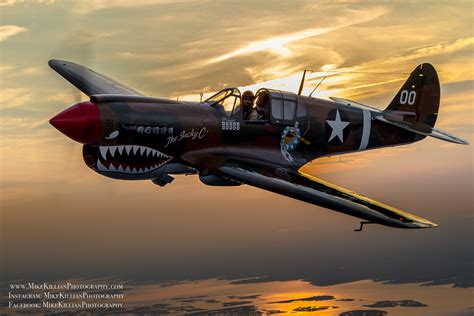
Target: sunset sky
60, 220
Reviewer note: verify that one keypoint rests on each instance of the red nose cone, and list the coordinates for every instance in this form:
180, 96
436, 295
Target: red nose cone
81, 122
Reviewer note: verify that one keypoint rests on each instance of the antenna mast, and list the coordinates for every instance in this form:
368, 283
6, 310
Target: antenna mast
302, 83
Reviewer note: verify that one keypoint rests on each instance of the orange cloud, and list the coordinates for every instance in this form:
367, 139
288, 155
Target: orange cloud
7, 31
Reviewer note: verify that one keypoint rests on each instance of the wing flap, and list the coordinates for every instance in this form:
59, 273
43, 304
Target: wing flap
89, 81
313, 190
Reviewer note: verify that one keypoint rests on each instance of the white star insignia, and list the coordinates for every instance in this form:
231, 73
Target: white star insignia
338, 127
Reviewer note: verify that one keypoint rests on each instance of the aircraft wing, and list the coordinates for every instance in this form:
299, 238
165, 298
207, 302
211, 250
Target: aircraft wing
89, 81
313, 190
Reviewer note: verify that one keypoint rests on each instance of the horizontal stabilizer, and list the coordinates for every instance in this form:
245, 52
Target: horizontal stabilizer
422, 129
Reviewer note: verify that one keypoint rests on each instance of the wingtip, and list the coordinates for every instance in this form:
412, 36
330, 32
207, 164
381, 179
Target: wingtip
427, 224
54, 63
58, 62
457, 140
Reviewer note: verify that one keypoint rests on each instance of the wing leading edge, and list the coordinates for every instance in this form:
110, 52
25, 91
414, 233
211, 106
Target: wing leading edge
89, 81
313, 190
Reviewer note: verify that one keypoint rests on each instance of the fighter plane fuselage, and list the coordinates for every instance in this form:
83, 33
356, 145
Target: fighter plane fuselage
142, 133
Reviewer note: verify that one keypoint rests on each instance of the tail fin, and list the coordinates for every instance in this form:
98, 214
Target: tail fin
415, 107
420, 94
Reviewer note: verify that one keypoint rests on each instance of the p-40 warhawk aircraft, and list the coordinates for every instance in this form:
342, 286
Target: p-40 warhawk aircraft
129, 136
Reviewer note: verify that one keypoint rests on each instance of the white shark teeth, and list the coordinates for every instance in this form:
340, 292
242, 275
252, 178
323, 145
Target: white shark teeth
112, 168
103, 152
101, 167
129, 150
112, 150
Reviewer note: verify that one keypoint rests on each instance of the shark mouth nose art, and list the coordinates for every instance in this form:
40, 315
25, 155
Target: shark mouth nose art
130, 159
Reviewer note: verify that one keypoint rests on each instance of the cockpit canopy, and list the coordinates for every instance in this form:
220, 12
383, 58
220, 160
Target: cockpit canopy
228, 99
278, 107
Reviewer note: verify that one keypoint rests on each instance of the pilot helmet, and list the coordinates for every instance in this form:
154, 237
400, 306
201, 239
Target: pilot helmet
248, 95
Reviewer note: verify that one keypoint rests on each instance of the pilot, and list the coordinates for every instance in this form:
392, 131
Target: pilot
247, 104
